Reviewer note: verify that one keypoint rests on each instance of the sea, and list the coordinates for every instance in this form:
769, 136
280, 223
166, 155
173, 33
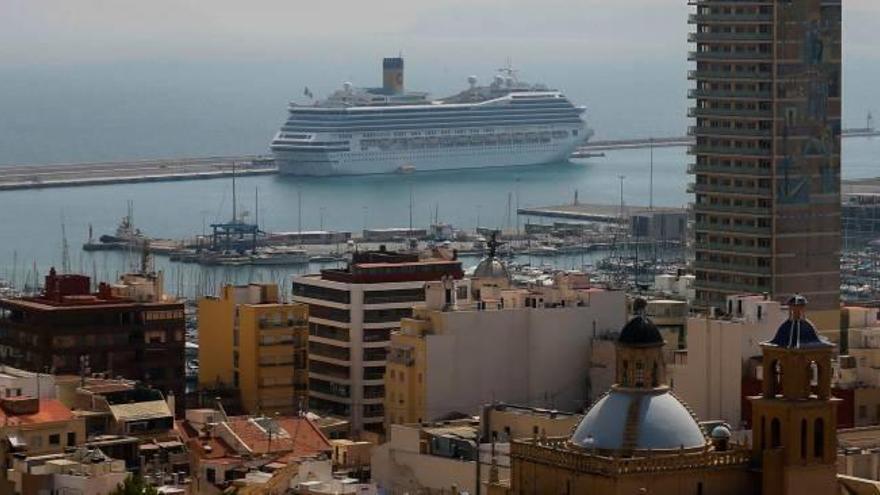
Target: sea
36, 223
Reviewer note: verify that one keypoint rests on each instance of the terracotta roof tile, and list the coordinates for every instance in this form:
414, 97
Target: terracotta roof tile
51, 411
299, 437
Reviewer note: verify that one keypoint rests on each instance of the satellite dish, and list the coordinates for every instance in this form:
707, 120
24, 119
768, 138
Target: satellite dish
472, 81
347, 86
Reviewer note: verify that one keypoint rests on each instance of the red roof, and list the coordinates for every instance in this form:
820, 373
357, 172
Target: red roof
300, 438
51, 411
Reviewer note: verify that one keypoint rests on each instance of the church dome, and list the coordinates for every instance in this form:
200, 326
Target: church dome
797, 332
659, 422
640, 331
491, 268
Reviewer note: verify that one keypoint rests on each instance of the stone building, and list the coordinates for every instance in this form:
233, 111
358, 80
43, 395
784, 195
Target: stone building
640, 438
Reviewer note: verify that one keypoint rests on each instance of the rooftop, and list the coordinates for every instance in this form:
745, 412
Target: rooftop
50, 411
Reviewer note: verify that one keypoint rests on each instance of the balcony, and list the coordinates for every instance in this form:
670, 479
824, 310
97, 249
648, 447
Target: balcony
706, 149
746, 37
730, 75
725, 94
716, 55
729, 112
731, 209
732, 287
730, 18
730, 248
740, 229
729, 132
731, 3
694, 168
749, 268
735, 190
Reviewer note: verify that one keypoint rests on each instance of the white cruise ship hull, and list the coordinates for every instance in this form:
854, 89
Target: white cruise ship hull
322, 163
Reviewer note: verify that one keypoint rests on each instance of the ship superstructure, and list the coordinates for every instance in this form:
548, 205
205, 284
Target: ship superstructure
388, 129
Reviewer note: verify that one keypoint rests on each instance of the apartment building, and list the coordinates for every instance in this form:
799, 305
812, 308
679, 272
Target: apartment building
474, 343
251, 341
352, 312
766, 210
129, 329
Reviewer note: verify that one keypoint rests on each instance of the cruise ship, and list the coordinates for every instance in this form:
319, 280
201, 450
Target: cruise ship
387, 129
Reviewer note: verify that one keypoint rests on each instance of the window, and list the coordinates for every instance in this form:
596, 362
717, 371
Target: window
71, 438
819, 438
863, 412
804, 439
775, 434
640, 374
55, 439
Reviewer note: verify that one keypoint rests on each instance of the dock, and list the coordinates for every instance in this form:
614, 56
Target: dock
174, 169
88, 174
679, 141
603, 213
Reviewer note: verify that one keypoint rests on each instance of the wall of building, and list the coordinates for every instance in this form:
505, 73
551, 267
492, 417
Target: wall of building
216, 318
532, 356
357, 400
710, 381
399, 466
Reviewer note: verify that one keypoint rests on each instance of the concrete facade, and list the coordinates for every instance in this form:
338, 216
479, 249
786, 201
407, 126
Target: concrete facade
525, 346
352, 312
251, 341
708, 375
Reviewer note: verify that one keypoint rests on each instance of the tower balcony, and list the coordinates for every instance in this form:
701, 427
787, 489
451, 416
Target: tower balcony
728, 132
735, 267
725, 94
732, 228
694, 168
717, 247
728, 75
732, 287
728, 190
729, 37
728, 3
707, 149
732, 209
722, 56
755, 18
752, 114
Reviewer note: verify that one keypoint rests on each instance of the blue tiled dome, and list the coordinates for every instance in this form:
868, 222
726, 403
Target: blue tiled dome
798, 334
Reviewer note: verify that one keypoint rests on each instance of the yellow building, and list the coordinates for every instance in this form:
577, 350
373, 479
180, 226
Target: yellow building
250, 341
639, 438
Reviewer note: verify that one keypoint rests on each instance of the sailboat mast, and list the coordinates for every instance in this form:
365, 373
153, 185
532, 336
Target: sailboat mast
410, 209
234, 212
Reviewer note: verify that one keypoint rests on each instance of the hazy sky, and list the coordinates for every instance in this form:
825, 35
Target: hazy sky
221, 71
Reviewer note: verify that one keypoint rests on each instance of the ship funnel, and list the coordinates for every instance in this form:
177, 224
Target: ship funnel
392, 75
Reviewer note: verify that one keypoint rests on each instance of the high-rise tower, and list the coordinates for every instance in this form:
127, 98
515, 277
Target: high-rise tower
766, 204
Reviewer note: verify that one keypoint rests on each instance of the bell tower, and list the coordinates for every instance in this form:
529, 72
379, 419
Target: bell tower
794, 420
640, 353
